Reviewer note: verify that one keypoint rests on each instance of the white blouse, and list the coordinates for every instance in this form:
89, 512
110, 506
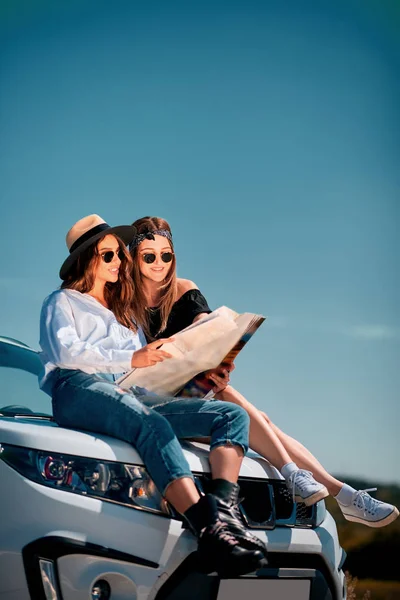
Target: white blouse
77, 332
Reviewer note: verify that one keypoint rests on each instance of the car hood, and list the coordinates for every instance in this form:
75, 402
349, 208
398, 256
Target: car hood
48, 436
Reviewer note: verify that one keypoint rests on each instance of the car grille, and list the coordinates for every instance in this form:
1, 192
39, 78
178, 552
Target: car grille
268, 504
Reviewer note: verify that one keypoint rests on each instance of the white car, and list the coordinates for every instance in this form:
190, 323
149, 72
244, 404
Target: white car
80, 518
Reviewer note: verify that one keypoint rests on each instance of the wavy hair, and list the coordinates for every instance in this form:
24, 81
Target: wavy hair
119, 295
168, 289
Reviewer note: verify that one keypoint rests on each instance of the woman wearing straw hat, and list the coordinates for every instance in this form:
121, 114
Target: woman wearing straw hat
88, 338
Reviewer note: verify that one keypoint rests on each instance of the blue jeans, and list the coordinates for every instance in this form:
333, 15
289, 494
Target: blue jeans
152, 424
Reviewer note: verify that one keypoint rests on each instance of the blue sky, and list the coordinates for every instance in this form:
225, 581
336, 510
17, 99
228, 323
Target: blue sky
267, 133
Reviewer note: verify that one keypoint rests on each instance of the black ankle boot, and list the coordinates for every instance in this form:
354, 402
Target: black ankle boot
218, 548
227, 497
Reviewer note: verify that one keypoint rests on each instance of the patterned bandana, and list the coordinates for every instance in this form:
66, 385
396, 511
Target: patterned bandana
149, 235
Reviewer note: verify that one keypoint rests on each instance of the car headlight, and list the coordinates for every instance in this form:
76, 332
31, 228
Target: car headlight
122, 483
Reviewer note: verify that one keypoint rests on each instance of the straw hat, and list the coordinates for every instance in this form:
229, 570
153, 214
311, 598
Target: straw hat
85, 232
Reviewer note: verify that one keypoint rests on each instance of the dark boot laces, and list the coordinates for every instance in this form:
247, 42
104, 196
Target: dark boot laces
220, 530
236, 509
234, 502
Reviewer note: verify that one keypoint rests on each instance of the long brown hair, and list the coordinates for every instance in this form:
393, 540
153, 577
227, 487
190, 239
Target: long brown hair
118, 295
168, 289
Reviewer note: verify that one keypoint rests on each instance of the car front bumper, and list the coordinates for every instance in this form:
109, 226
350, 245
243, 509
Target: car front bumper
142, 556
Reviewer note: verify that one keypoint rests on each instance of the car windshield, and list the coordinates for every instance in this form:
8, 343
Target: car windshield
19, 368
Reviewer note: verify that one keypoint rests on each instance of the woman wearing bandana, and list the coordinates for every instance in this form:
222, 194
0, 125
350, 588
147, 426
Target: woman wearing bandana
165, 304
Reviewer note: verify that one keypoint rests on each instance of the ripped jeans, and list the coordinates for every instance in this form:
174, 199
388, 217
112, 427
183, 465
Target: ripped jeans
152, 424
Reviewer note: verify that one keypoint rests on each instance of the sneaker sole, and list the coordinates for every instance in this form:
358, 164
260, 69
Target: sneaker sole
389, 519
323, 493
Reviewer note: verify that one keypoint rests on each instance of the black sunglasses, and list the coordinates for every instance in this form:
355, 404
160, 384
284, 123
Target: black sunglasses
150, 257
109, 255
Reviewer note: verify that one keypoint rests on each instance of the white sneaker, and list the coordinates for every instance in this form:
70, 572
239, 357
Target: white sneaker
369, 511
304, 487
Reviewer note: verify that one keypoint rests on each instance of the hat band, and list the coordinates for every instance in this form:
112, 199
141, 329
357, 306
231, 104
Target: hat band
86, 236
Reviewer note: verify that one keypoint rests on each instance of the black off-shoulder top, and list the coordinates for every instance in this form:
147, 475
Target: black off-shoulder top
189, 305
